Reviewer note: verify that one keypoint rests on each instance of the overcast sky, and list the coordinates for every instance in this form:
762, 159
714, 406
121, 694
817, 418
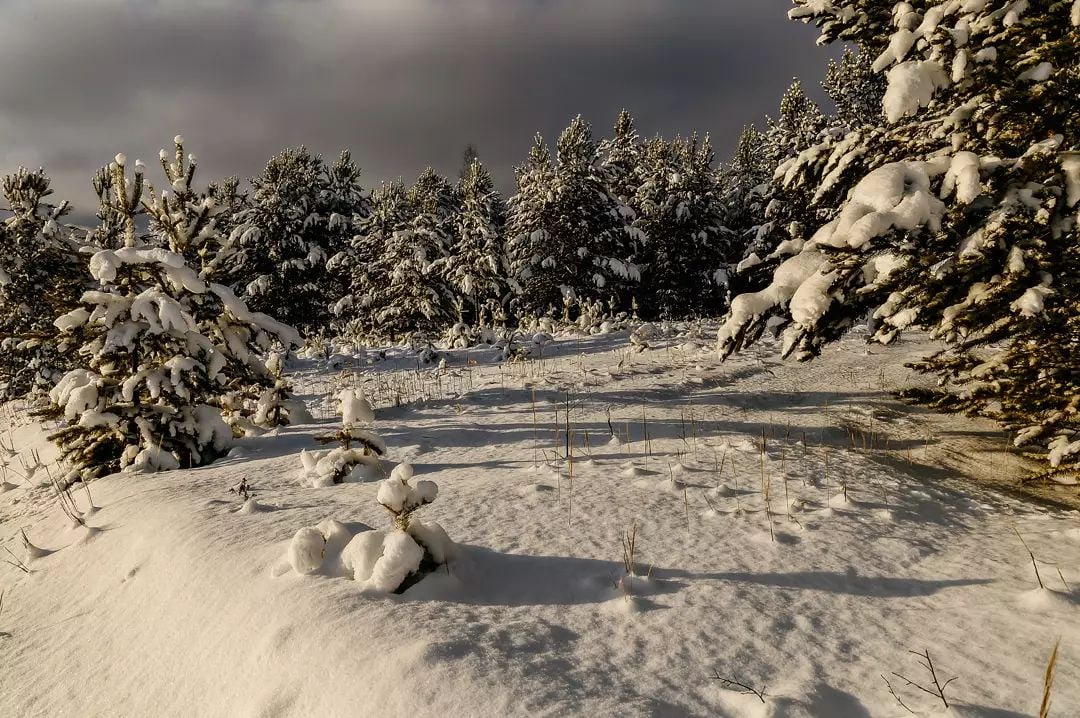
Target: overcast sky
403, 83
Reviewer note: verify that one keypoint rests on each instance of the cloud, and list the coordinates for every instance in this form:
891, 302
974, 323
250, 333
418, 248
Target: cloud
403, 83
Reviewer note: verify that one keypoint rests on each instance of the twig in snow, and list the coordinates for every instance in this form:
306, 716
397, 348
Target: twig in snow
735, 683
938, 690
897, 698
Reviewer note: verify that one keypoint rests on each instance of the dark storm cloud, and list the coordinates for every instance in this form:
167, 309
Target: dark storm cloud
403, 83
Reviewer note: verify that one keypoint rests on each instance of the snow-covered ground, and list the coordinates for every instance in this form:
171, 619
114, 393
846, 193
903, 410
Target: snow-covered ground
177, 599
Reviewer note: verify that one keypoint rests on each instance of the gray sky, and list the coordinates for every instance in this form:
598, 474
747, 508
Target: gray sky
403, 83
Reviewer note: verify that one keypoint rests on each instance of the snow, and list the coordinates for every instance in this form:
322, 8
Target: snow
1070, 164
1031, 302
355, 408
911, 86
963, 178
381, 560
751, 261
896, 195
341, 465
1039, 73
284, 610
306, 550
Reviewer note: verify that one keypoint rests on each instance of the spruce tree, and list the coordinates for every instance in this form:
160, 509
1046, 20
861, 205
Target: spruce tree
527, 232
301, 214
684, 254
580, 247
960, 214
41, 277
160, 346
477, 267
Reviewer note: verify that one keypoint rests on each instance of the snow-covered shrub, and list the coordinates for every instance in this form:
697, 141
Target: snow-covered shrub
276, 405
342, 465
312, 545
393, 559
160, 345
346, 463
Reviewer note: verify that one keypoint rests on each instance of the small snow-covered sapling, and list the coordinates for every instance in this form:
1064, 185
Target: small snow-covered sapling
402, 499
356, 412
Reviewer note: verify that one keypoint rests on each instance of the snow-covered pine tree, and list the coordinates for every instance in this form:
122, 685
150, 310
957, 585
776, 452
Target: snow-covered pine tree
477, 270
230, 202
745, 182
527, 231
796, 128
684, 257
395, 262
582, 243
619, 158
855, 89
184, 220
347, 205
160, 346
364, 268
41, 277
415, 297
594, 225
961, 210
299, 216
436, 206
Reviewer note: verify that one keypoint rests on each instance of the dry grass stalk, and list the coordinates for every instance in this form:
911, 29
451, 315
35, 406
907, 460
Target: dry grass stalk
1034, 563
1048, 681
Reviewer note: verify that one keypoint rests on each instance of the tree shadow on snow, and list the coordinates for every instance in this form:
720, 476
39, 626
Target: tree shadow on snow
848, 583
482, 577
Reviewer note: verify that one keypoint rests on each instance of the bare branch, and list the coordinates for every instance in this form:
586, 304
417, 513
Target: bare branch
735, 683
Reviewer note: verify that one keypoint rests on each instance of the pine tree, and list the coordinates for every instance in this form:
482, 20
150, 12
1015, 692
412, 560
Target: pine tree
855, 89
580, 247
301, 214
364, 267
527, 231
683, 254
159, 345
961, 211
477, 268
797, 127
469, 157
745, 183
347, 205
41, 277
418, 298
396, 261
619, 159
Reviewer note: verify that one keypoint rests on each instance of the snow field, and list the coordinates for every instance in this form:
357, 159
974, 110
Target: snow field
763, 568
